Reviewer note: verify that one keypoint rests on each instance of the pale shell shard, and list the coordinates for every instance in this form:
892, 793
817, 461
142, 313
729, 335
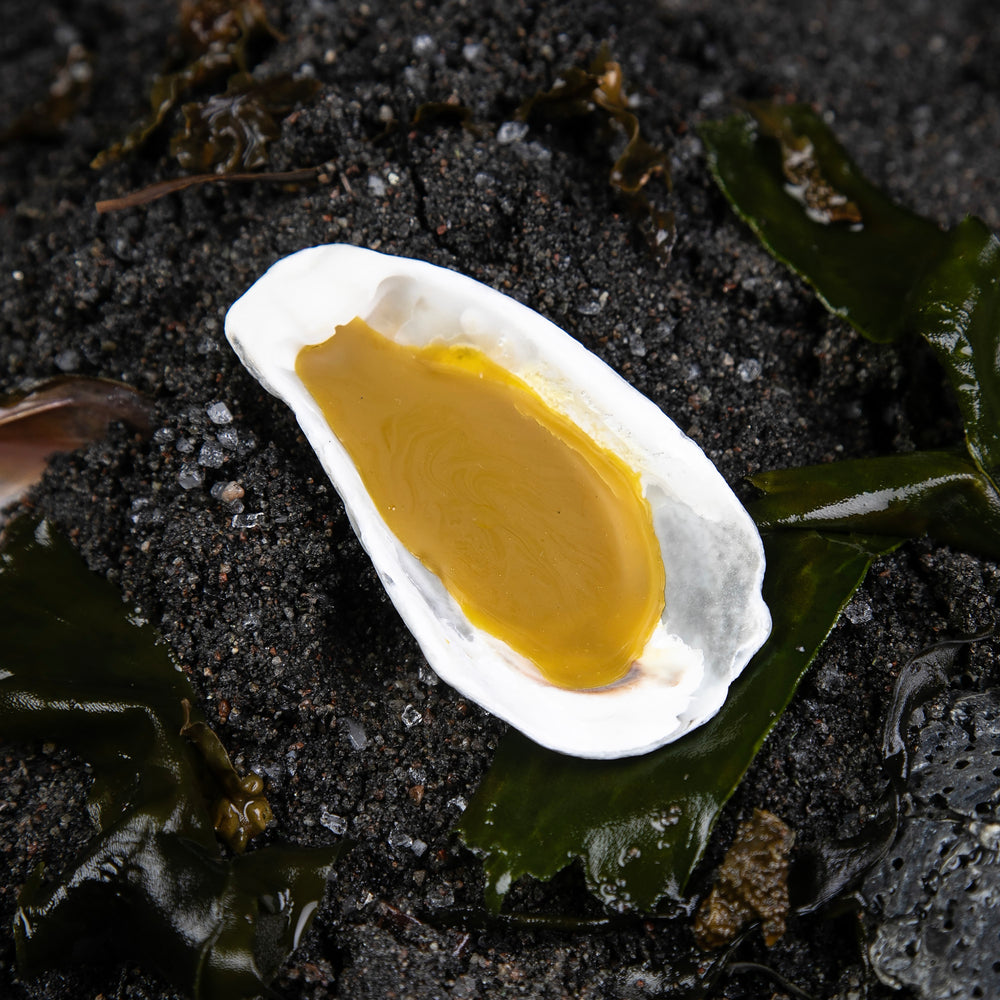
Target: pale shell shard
714, 618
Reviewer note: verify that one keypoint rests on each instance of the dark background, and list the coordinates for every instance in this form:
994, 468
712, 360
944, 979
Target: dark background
283, 626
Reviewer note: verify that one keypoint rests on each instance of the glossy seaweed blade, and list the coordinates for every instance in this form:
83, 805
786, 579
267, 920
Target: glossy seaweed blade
641, 825
152, 884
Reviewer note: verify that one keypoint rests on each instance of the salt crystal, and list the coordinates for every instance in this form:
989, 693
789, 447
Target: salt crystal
190, 477
376, 185
749, 370
399, 838
334, 823
636, 344
185, 446
211, 455
458, 803
219, 413
410, 716
254, 519
511, 132
858, 612
229, 438
423, 45
163, 435
356, 734
68, 361
418, 847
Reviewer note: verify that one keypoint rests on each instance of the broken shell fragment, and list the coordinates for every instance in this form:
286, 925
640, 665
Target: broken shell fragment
563, 554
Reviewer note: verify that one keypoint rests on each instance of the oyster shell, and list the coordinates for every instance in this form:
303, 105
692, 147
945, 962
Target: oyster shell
714, 618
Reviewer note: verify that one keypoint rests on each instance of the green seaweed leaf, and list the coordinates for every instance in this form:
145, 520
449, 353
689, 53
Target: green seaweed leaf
889, 272
641, 825
152, 883
938, 493
781, 168
956, 309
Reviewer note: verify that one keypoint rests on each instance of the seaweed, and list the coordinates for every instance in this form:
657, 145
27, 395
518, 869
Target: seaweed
70, 90
215, 36
431, 114
231, 131
641, 825
937, 493
893, 275
599, 92
228, 133
152, 884
751, 884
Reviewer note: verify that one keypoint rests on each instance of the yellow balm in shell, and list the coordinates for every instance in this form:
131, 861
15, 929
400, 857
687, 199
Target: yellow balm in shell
542, 537
562, 553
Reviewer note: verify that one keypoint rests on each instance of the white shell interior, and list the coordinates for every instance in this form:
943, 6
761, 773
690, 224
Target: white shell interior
714, 617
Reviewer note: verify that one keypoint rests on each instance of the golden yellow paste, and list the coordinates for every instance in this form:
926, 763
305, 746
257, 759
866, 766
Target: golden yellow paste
543, 538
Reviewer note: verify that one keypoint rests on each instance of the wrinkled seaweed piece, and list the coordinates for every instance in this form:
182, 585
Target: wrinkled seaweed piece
578, 94
207, 25
751, 885
831, 869
68, 92
239, 809
431, 114
641, 825
938, 493
216, 35
890, 273
161, 189
933, 901
231, 131
151, 884
60, 415
600, 91
805, 168
864, 269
